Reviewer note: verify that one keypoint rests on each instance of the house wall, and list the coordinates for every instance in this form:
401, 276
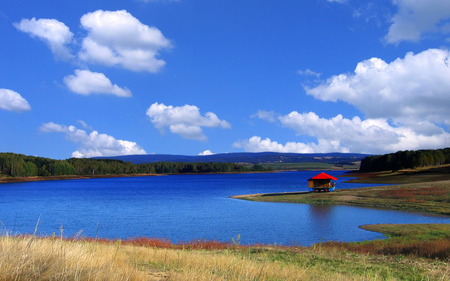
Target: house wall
319, 183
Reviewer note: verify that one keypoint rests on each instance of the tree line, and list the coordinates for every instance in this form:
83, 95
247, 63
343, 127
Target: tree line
19, 165
405, 160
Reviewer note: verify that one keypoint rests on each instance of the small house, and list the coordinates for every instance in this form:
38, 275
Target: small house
322, 182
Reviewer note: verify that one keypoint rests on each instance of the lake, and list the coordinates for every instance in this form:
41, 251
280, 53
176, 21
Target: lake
189, 207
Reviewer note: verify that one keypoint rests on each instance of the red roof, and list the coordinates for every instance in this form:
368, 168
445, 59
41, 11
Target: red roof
323, 176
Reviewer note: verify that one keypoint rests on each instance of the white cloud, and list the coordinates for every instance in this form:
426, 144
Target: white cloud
337, 1
416, 18
405, 102
93, 144
116, 38
370, 135
206, 153
339, 134
184, 120
265, 115
85, 82
149, 1
411, 91
13, 101
308, 72
53, 32
84, 125
257, 144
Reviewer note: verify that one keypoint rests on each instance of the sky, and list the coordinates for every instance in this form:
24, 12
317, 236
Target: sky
198, 77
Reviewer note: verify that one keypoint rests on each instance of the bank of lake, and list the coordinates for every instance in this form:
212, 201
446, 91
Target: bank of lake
425, 190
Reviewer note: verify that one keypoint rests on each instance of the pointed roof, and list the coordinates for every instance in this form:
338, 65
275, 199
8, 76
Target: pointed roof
323, 176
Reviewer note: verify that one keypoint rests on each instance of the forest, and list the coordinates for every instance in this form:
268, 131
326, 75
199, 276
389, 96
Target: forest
405, 160
19, 165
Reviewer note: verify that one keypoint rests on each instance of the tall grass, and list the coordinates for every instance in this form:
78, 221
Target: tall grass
28, 258
33, 258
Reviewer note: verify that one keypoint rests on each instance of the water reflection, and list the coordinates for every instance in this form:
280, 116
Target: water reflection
321, 213
322, 220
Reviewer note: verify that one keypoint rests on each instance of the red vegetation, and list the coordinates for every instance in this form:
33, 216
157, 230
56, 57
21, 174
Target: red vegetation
414, 194
435, 249
163, 243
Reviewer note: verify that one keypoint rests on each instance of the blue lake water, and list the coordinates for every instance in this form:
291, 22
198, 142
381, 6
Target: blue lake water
189, 207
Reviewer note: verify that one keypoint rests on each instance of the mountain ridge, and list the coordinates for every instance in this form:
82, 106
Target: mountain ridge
244, 157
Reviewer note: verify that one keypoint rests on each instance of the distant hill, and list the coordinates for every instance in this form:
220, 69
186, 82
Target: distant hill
408, 159
252, 158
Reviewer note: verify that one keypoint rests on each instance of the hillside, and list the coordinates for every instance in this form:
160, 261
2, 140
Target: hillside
252, 158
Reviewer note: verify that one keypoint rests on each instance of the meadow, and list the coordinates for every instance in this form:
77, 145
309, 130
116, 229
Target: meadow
414, 252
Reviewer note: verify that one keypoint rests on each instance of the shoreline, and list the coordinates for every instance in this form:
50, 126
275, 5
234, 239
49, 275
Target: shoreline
70, 177
431, 198
74, 177
425, 190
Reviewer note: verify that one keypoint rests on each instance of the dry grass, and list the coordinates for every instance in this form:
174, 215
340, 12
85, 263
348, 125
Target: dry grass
31, 258
28, 258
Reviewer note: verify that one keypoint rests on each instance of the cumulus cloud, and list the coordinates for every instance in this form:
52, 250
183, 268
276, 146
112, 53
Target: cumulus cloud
339, 134
206, 153
93, 144
184, 120
405, 103
257, 144
117, 38
370, 135
411, 90
53, 32
114, 38
416, 18
86, 82
13, 101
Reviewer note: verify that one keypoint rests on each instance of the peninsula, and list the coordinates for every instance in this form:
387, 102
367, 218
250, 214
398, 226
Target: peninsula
425, 190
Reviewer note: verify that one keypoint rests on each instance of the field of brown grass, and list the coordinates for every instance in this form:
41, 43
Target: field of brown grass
33, 258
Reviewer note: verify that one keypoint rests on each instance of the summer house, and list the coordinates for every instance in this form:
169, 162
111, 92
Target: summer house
322, 182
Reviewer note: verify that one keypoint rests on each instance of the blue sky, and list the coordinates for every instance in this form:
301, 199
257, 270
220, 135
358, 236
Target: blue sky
93, 78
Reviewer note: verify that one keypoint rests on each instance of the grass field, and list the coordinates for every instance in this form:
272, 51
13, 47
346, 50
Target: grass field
418, 252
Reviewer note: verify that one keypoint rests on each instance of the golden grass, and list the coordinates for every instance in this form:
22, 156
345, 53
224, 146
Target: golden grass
54, 259
30, 258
